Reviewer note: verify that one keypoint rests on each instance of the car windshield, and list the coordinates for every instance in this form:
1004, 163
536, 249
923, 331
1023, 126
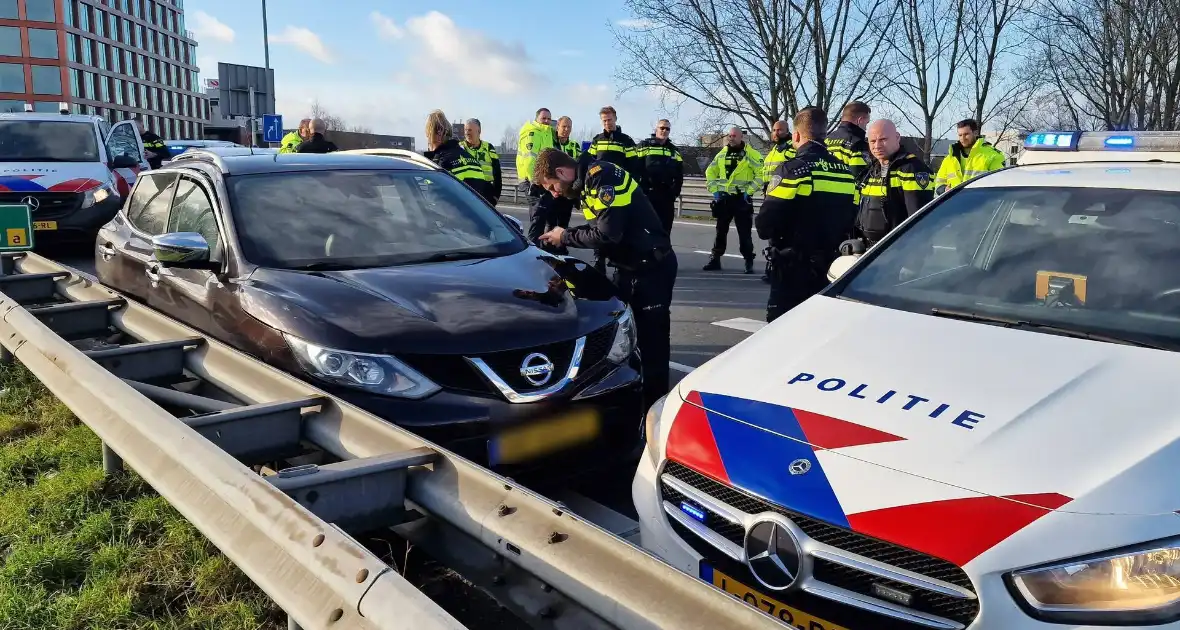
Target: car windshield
349, 219
47, 141
1091, 260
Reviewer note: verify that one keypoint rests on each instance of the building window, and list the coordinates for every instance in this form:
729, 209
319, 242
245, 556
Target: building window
12, 78
100, 23
104, 89
8, 12
87, 51
89, 79
118, 91
114, 26
72, 46
69, 7
84, 17
40, 11
12, 107
102, 56
46, 80
48, 107
75, 84
10, 41
42, 43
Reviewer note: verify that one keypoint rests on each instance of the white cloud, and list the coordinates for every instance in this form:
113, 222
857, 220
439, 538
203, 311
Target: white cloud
584, 92
208, 27
636, 24
304, 40
386, 27
471, 57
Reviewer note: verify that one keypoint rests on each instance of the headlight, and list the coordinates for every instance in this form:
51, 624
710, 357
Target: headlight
376, 373
97, 195
624, 343
651, 428
1138, 586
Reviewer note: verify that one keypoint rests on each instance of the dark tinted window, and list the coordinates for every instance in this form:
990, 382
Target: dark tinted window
40, 10
151, 202
46, 80
10, 41
363, 218
1096, 259
42, 43
192, 211
47, 141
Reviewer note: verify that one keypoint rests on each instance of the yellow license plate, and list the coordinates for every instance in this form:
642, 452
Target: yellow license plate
44, 225
539, 438
790, 615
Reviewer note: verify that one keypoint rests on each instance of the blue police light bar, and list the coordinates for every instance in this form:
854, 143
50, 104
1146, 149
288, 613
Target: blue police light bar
1052, 141
692, 511
1119, 142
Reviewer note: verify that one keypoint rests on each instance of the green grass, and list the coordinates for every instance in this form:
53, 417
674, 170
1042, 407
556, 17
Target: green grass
79, 551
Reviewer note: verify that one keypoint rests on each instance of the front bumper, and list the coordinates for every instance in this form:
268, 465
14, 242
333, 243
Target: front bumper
78, 224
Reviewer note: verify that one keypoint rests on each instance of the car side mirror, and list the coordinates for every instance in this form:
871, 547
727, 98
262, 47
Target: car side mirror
124, 161
515, 222
840, 266
183, 250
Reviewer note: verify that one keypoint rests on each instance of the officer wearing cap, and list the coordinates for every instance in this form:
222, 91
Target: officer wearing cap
624, 228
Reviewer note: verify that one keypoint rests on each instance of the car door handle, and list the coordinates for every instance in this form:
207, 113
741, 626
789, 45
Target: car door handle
153, 272
107, 251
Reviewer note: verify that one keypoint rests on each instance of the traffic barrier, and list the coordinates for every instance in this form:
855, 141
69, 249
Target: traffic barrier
288, 531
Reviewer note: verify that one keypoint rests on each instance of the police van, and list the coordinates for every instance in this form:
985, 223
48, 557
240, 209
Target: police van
73, 171
972, 427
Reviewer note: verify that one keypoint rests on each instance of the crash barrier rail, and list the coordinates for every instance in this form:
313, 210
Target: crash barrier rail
288, 529
694, 197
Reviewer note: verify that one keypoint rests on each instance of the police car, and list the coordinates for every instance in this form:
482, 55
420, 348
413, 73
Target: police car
972, 427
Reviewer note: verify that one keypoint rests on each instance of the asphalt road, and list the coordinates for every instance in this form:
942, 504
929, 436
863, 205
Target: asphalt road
711, 310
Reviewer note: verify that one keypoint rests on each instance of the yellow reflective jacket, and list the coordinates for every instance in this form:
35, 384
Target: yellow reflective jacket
746, 176
777, 154
957, 168
290, 143
534, 138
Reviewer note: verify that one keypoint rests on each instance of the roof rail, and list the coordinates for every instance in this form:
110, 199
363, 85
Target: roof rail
404, 154
199, 154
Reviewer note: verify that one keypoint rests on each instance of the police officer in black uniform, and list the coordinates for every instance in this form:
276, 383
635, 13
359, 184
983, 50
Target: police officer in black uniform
847, 141
663, 169
153, 146
897, 185
809, 208
627, 232
446, 151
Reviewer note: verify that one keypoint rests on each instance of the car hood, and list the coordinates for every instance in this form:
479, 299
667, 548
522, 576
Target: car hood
888, 421
474, 306
36, 177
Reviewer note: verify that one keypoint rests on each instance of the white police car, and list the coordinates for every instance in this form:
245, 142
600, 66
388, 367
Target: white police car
973, 427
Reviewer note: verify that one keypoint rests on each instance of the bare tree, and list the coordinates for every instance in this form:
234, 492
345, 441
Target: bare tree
360, 129
331, 121
1003, 71
751, 62
926, 54
509, 139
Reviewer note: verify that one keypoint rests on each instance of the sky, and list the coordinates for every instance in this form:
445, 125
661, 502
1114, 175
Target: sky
386, 65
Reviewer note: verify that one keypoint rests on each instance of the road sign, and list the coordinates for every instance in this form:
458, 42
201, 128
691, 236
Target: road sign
272, 128
16, 228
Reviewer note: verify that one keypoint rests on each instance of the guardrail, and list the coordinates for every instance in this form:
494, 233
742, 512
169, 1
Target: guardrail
287, 529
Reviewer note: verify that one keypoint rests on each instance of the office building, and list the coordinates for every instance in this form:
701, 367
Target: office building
114, 58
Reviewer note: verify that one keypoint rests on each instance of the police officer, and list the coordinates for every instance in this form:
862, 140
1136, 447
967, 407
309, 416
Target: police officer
154, 148
571, 147
316, 143
733, 177
561, 208
445, 151
970, 156
897, 184
663, 169
624, 227
803, 215
483, 151
614, 146
535, 136
291, 141
780, 151
847, 141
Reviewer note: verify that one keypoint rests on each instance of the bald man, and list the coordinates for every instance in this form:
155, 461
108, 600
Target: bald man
896, 185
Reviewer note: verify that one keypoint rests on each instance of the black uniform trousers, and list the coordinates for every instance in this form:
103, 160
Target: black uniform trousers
734, 208
665, 206
794, 277
649, 293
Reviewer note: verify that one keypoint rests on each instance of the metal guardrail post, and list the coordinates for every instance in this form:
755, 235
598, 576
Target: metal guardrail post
112, 464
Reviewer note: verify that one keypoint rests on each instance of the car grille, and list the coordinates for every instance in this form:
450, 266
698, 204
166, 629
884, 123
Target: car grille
959, 610
54, 205
456, 372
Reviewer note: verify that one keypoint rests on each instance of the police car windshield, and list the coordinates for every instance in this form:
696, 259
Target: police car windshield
323, 220
47, 141
1098, 260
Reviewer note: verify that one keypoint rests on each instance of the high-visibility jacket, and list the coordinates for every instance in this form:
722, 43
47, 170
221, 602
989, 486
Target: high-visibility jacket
848, 143
489, 161
735, 171
890, 194
463, 166
663, 168
618, 148
810, 205
621, 223
534, 138
958, 168
777, 154
570, 147
290, 143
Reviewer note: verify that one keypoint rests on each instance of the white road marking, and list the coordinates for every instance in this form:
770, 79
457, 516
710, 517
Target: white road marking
741, 323
697, 251
680, 367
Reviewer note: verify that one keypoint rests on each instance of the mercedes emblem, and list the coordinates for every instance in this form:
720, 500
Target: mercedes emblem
799, 467
32, 202
773, 554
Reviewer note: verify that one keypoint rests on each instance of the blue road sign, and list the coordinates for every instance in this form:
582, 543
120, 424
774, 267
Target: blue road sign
272, 128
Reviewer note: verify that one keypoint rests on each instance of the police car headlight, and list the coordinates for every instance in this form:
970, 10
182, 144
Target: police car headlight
1136, 586
97, 195
624, 343
376, 373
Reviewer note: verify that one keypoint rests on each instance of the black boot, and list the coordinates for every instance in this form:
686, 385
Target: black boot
749, 266
714, 264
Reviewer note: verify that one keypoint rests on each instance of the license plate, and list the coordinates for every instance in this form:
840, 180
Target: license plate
789, 615
44, 225
543, 437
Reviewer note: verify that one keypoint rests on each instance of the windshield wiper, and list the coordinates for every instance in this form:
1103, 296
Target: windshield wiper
1010, 322
325, 266
446, 256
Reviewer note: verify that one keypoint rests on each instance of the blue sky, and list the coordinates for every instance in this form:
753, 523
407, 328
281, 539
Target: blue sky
385, 65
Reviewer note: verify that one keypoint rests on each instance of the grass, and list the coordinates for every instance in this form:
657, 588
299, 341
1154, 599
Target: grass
79, 551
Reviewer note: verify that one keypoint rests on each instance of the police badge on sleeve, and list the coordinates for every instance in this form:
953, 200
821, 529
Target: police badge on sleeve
606, 195
923, 179
775, 180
